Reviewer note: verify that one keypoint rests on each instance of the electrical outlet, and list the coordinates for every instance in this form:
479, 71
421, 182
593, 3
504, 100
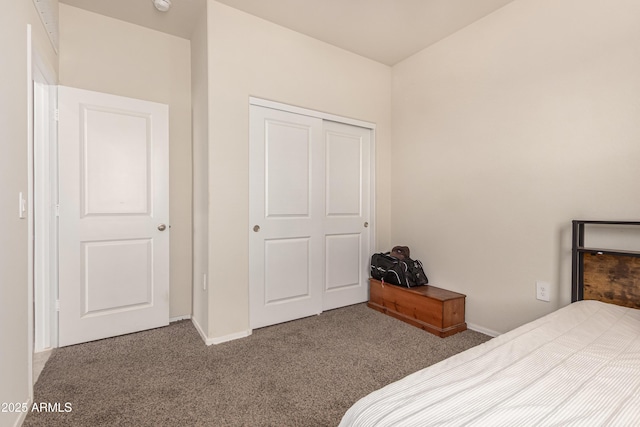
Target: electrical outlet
542, 290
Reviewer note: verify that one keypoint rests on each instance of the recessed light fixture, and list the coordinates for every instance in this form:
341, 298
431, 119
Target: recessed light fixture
162, 5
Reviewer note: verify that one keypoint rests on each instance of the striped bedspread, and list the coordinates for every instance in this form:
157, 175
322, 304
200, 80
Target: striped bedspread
577, 366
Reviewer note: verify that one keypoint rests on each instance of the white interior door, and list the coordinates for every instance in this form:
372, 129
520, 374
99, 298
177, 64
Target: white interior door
309, 201
346, 214
114, 213
286, 248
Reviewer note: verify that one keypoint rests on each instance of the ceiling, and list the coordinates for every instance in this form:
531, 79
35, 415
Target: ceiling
386, 31
179, 20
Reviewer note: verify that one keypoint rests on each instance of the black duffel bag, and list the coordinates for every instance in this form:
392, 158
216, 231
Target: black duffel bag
402, 272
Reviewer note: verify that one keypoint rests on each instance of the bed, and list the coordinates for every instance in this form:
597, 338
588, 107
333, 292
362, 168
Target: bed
579, 365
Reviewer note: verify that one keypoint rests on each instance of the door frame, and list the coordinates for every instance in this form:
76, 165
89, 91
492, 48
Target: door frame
45, 198
313, 113
261, 102
40, 293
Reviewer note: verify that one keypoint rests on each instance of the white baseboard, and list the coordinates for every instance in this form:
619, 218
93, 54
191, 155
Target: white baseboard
40, 359
482, 330
230, 337
178, 318
219, 340
23, 414
199, 329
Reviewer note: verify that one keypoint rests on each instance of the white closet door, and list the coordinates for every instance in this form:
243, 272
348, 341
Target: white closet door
346, 214
114, 213
309, 207
286, 210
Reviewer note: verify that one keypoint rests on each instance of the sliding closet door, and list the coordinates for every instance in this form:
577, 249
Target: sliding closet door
346, 210
285, 214
309, 212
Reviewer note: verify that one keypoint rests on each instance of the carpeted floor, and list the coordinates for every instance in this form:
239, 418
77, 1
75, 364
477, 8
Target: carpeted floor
302, 373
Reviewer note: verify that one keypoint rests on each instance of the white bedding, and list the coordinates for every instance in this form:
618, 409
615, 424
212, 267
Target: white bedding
577, 366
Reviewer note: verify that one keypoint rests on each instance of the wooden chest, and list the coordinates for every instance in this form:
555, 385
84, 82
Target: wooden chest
435, 310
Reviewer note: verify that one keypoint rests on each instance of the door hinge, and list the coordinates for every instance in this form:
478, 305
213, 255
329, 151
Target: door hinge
58, 305
57, 210
56, 115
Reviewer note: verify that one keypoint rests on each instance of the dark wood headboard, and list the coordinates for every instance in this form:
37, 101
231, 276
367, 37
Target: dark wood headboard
607, 275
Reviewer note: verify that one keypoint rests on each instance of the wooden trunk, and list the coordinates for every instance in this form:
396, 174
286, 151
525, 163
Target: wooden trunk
435, 310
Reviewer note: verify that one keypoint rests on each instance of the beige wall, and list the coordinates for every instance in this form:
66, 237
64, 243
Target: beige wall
107, 55
505, 132
14, 286
251, 57
200, 112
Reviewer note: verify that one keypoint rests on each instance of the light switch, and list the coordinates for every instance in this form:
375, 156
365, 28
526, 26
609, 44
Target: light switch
22, 206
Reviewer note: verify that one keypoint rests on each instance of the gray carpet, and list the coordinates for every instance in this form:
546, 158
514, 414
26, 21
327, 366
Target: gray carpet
302, 373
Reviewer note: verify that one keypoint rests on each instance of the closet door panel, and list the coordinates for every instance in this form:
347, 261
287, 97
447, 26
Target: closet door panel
286, 207
346, 221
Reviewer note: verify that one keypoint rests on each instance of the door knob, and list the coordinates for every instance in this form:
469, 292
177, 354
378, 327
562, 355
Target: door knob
366, 224
256, 228
162, 227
